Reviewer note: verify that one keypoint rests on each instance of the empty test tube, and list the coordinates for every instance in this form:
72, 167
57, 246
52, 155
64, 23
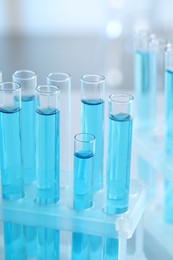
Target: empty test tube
11, 164
92, 119
63, 81
119, 153
84, 151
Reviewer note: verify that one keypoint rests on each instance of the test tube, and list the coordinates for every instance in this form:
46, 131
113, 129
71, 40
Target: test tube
28, 81
168, 186
84, 152
146, 84
92, 120
144, 91
0, 76
47, 163
119, 152
63, 81
11, 164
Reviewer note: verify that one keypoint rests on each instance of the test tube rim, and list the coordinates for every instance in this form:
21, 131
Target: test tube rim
129, 97
82, 141
18, 86
57, 89
21, 78
68, 76
100, 80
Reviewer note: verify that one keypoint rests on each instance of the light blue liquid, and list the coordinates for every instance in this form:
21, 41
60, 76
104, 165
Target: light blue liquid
96, 247
29, 160
80, 246
111, 249
82, 199
48, 156
48, 244
118, 163
83, 173
28, 138
14, 240
12, 178
168, 202
11, 155
145, 89
47, 174
168, 186
92, 118
169, 111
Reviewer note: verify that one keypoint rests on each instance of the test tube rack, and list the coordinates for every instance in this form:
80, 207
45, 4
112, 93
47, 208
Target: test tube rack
92, 221
150, 147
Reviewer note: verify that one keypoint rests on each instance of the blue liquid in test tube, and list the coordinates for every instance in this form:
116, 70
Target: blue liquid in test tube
84, 150
118, 163
168, 186
28, 81
111, 249
47, 164
11, 164
92, 120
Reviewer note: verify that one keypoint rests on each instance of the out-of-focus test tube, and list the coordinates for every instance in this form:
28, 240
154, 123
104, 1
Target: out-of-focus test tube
168, 186
47, 163
144, 92
0, 76
92, 119
11, 164
84, 152
28, 81
119, 153
63, 81
168, 100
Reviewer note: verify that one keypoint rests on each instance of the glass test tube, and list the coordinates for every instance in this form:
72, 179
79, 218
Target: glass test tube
146, 85
144, 92
92, 120
47, 148
119, 153
63, 81
11, 164
11, 147
0, 76
47, 163
28, 81
84, 152
168, 186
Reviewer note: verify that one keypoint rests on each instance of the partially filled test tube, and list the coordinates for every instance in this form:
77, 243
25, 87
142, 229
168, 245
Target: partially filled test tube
145, 93
118, 162
47, 163
11, 164
119, 153
92, 120
63, 81
28, 81
168, 186
84, 152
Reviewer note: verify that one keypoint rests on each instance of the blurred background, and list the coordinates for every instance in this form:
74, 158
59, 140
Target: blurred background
78, 37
